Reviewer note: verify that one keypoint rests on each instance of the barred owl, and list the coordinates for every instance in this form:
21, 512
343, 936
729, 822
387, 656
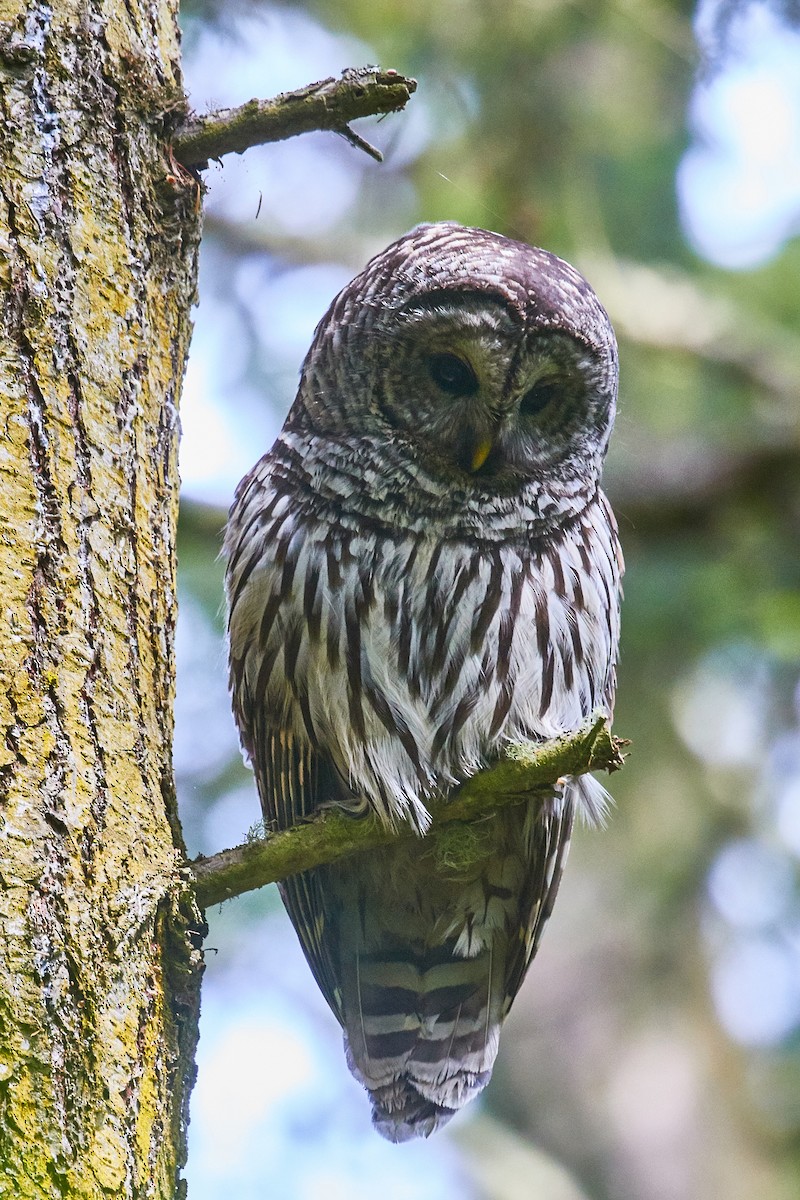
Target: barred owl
421, 569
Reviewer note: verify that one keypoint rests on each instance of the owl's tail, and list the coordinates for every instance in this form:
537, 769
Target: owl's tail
421, 1035
420, 948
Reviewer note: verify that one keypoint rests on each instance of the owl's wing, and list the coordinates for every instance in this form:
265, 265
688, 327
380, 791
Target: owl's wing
305, 902
548, 839
294, 781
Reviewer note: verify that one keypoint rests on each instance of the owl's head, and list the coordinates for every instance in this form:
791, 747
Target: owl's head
487, 361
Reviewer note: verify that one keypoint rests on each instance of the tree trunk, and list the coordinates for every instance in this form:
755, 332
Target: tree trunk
99, 981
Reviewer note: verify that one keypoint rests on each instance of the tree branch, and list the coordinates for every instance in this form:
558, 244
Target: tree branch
526, 768
330, 104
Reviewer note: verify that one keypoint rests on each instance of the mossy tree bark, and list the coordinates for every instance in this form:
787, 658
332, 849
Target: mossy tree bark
99, 980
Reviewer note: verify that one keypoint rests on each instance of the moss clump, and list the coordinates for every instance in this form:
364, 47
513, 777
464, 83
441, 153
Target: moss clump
458, 848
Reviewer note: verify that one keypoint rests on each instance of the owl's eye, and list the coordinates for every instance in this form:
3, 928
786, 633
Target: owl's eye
537, 398
452, 375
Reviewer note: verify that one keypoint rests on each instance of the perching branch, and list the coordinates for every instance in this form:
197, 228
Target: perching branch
330, 104
527, 768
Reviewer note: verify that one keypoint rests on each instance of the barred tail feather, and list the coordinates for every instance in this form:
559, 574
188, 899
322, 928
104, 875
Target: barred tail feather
420, 959
422, 1036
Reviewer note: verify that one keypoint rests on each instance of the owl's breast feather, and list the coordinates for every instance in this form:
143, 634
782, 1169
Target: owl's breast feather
411, 659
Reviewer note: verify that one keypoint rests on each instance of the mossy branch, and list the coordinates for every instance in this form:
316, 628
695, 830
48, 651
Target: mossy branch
330, 104
526, 768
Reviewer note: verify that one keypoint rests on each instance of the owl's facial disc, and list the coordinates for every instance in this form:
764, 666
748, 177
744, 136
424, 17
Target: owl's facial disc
502, 410
455, 377
446, 364
494, 407
482, 390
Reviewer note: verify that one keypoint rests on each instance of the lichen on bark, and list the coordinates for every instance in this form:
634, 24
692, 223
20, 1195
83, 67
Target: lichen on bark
98, 236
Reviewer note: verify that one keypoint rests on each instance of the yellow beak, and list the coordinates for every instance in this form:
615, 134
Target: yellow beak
482, 452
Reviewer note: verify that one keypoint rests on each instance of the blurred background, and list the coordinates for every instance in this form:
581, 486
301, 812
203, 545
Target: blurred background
654, 1052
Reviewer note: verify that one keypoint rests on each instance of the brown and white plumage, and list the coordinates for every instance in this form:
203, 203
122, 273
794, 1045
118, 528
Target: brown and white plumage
422, 568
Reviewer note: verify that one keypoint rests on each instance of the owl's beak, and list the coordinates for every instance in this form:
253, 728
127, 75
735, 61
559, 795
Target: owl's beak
480, 454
